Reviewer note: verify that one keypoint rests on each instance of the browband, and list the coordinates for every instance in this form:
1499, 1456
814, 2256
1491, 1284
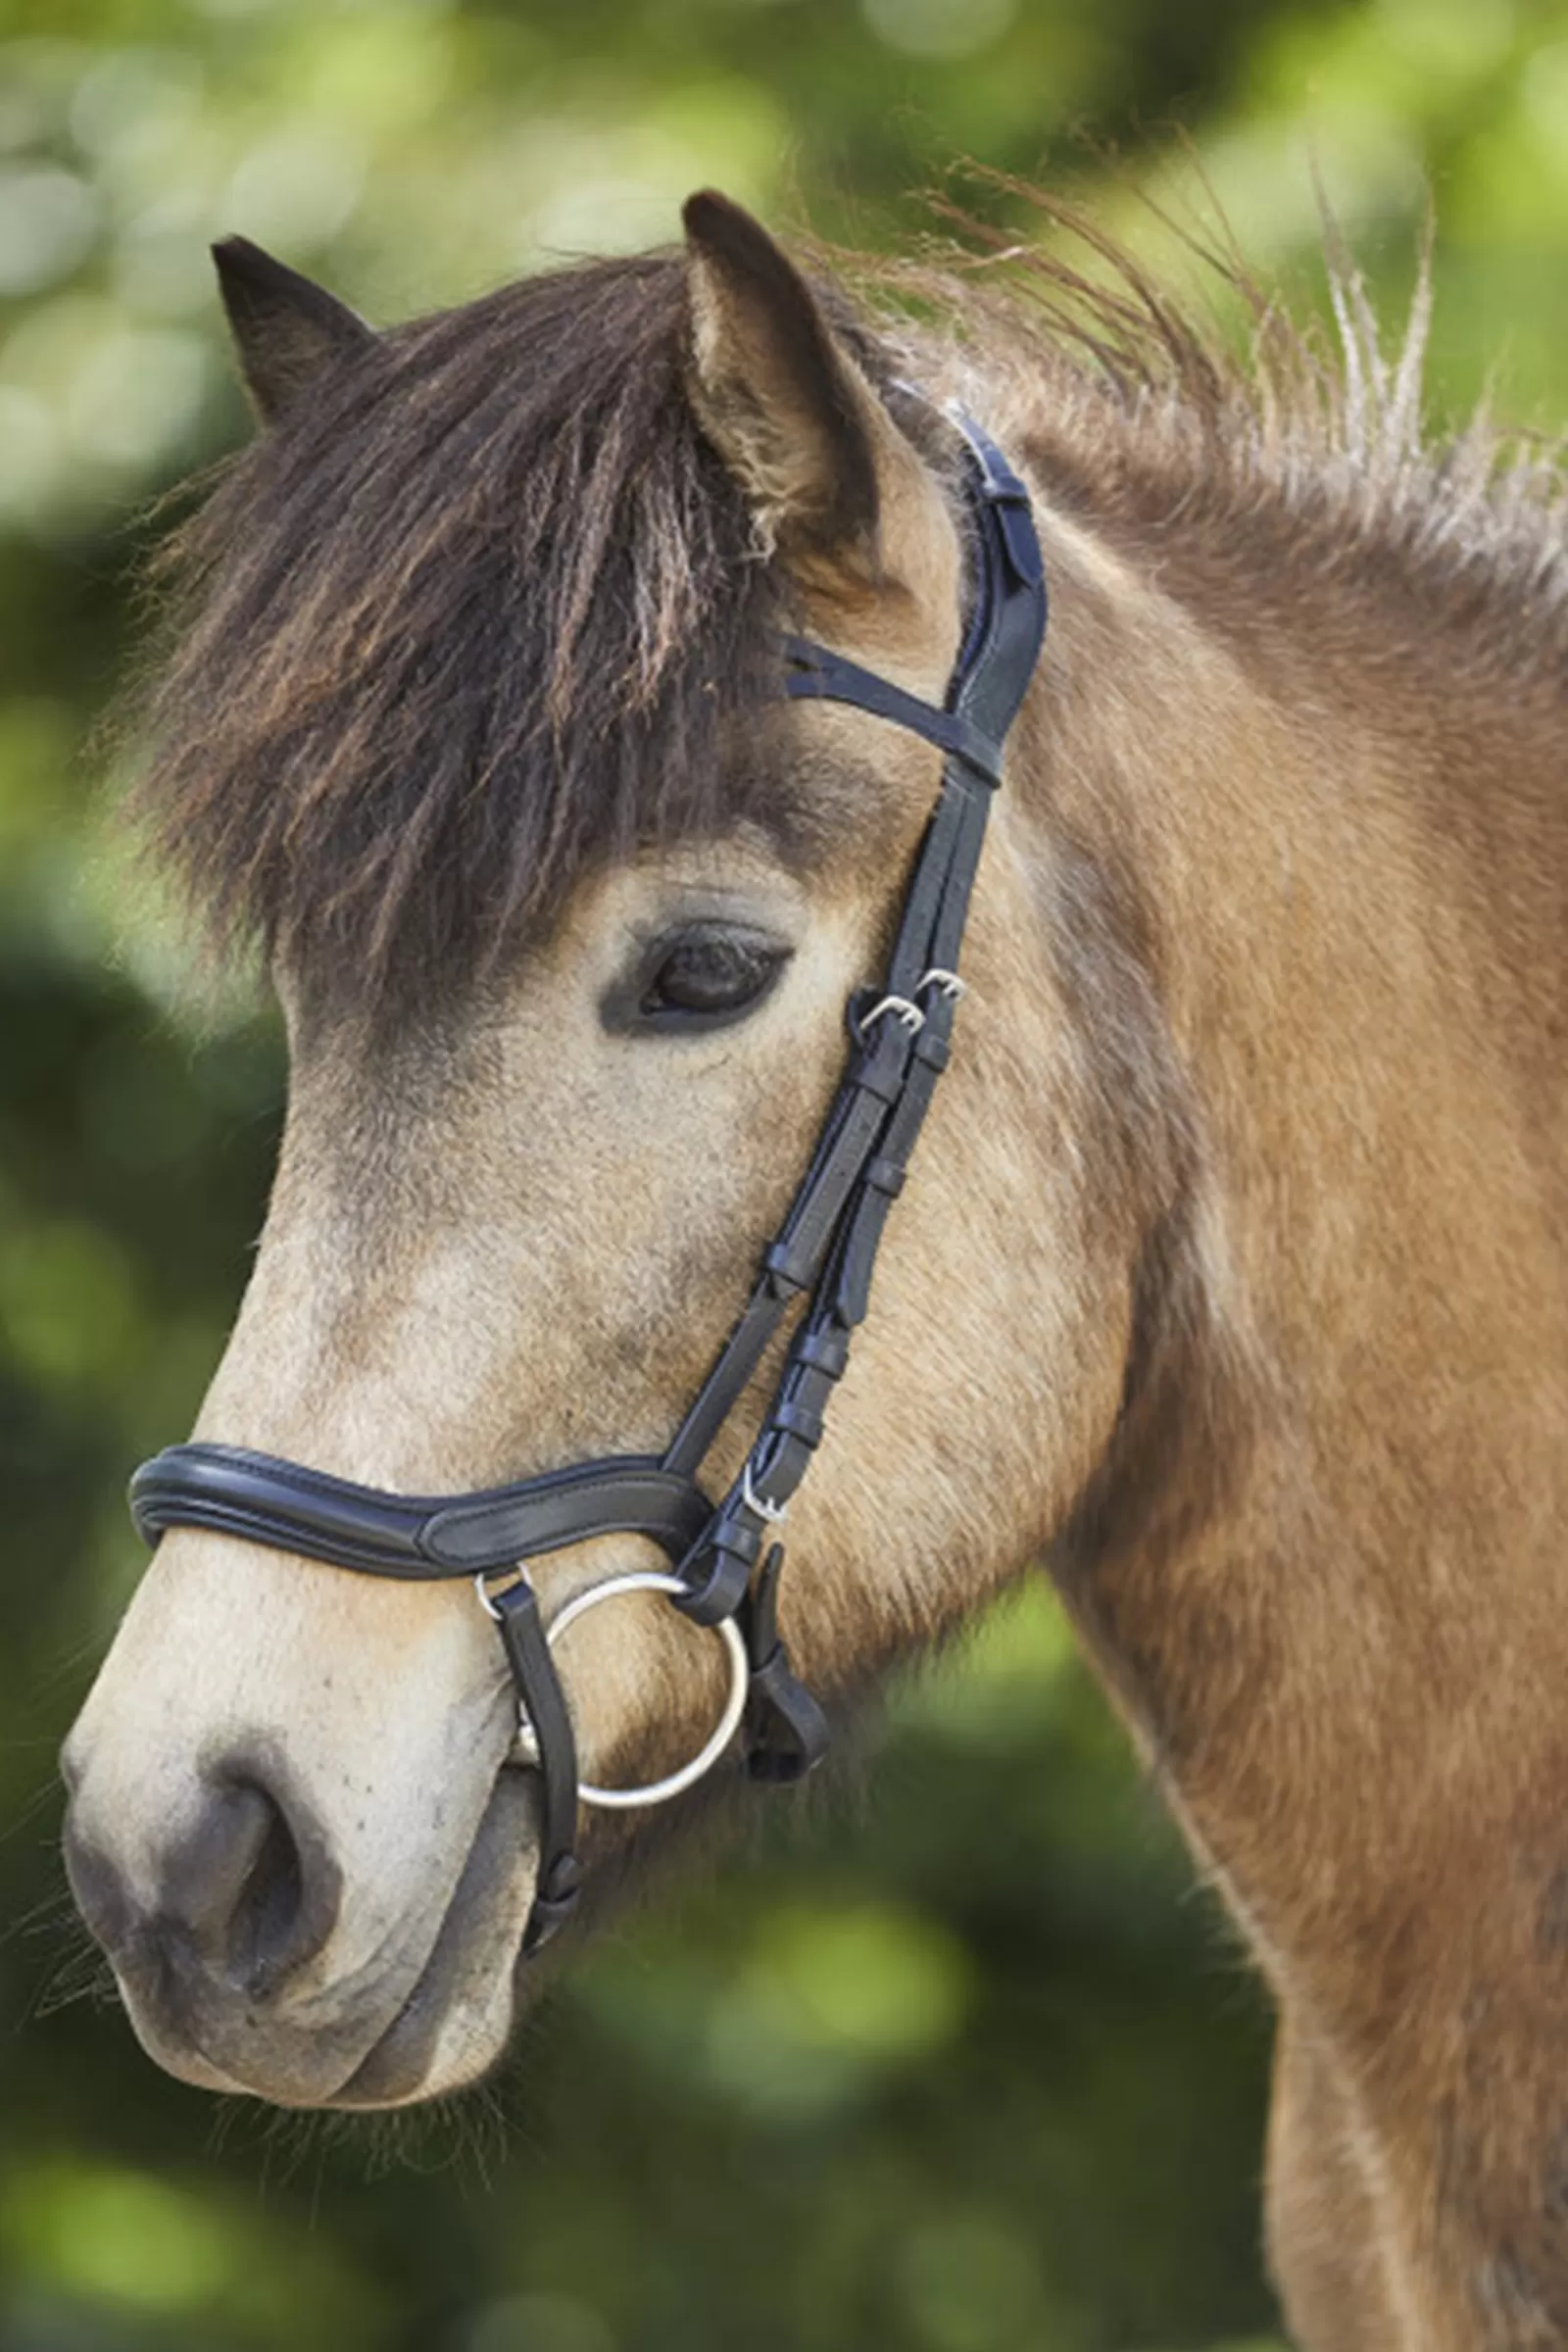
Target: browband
817, 675
728, 1566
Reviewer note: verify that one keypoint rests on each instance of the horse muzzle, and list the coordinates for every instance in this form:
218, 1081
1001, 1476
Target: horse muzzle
222, 1957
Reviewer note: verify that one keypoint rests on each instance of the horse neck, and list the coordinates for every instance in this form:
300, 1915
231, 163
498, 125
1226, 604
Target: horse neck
1321, 1573
1341, 857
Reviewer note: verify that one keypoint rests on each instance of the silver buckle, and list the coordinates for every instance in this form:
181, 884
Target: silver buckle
907, 1012
774, 1514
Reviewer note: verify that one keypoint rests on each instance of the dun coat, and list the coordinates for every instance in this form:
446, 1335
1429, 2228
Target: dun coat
1230, 1280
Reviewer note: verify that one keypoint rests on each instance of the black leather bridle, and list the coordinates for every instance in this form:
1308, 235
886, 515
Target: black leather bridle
823, 1255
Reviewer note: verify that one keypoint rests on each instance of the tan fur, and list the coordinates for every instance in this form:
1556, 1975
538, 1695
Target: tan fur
1352, 1670
1230, 1273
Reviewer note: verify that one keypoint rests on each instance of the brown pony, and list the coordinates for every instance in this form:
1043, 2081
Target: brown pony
1228, 1276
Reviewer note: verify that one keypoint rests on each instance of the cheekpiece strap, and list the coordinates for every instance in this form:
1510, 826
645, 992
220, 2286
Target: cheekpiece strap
832, 1236
534, 1672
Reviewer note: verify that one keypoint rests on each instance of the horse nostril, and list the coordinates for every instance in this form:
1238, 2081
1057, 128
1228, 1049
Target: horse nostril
252, 1886
268, 1931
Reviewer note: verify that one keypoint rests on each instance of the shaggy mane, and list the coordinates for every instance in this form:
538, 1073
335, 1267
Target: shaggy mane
471, 620
1318, 446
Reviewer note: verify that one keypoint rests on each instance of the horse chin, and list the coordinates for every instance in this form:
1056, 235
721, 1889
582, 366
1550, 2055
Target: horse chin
453, 2026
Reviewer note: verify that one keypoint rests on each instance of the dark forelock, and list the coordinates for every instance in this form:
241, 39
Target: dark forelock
469, 620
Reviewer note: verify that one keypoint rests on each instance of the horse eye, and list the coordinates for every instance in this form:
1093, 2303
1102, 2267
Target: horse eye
703, 976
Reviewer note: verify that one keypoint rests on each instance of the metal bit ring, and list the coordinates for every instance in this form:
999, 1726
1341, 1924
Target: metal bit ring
657, 1792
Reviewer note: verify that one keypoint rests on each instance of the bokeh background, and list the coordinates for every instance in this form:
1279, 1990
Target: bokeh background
956, 2061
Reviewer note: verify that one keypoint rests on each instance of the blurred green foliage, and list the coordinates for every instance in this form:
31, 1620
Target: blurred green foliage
966, 2072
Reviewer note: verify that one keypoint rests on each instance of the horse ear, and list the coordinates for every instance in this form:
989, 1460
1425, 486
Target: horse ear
781, 400
287, 330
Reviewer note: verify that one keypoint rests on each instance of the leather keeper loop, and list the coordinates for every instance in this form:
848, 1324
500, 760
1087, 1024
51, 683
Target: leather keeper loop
553, 1903
824, 1350
885, 1176
884, 1051
799, 1420
785, 1266
883, 1075
723, 1589
933, 1050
